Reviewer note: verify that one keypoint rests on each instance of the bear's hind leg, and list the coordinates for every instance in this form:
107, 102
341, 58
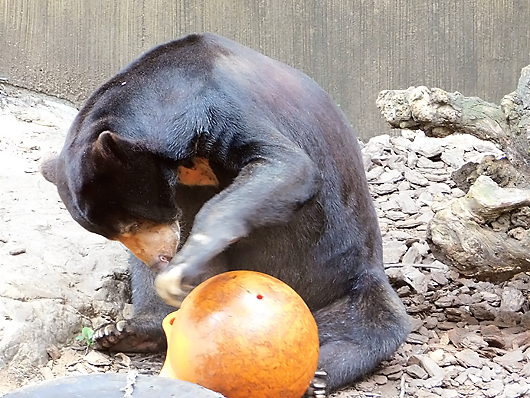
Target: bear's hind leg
360, 330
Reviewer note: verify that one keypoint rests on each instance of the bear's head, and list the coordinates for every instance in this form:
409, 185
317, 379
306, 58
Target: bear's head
121, 190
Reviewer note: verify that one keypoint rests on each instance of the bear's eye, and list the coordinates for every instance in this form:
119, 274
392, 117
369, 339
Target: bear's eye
133, 228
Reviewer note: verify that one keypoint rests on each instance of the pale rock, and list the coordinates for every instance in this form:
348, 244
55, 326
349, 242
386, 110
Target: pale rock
486, 147
512, 299
426, 146
425, 198
416, 371
393, 251
457, 193
416, 178
395, 215
415, 278
406, 203
465, 142
494, 388
46, 373
431, 367
487, 374
469, 358
437, 355
473, 341
435, 177
425, 217
401, 142
411, 256
515, 390
438, 187
511, 360
410, 134
403, 186
453, 157
375, 173
412, 159
426, 163
383, 189
390, 204
96, 358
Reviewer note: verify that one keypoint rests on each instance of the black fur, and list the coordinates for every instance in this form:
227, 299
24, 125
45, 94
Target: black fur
292, 199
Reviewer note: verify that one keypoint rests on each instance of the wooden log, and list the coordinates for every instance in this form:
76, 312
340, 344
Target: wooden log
482, 234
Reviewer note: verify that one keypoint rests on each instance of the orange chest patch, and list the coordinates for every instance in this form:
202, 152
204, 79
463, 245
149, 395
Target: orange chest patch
200, 174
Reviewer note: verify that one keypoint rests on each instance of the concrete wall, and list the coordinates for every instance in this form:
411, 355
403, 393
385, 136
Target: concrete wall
353, 48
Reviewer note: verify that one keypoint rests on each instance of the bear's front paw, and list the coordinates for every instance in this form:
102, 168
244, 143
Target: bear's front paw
169, 285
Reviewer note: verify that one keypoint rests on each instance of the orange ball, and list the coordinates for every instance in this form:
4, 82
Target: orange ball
243, 334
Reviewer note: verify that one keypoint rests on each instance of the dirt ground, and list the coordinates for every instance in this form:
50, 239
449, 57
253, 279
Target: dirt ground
36, 235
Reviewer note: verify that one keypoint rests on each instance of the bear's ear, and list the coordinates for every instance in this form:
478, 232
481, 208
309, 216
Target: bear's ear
110, 147
48, 169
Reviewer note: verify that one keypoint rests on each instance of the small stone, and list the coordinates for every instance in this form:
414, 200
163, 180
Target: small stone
380, 379
97, 359
494, 389
427, 164
435, 177
512, 299
406, 203
390, 176
391, 369
410, 223
47, 373
375, 173
415, 324
446, 325
515, 390
411, 256
53, 352
486, 146
487, 374
400, 142
17, 250
393, 251
439, 277
438, 187
430, 322
511, 360
122, 360
395, 215
416, 338
426, 146
383, 189
416, 371
473, 341
415, 278
453, 157
416, 178
445, 301
431, 367
525, 371
483, 312
469, 358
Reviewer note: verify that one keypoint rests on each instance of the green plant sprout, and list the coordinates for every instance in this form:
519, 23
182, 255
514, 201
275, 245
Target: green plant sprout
86, 335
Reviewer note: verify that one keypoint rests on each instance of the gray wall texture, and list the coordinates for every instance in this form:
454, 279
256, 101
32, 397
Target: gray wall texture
353, 48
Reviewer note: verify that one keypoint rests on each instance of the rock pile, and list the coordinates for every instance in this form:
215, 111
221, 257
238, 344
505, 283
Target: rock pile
469, 338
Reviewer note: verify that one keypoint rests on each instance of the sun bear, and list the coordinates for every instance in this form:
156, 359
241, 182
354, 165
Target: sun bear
204, 156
